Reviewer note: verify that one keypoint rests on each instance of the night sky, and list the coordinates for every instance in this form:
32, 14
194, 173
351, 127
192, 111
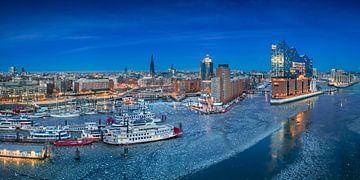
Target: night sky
111, 35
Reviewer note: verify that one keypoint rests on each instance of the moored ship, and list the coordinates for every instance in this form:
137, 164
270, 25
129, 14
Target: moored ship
73, 142
49, 134
144, 133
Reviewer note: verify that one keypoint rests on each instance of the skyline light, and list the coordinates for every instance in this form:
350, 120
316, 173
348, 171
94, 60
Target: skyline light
111, 35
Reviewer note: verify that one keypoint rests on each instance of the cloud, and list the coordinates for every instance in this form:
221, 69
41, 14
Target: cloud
25, 37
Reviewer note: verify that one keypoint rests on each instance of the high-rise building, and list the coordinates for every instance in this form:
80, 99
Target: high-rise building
152, 66
12, 70
223, 73
206, 68
215, 89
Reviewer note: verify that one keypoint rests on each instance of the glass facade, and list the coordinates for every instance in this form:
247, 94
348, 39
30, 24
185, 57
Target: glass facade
206, 68
287, 63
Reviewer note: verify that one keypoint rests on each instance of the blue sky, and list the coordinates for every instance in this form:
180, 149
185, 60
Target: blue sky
112, 35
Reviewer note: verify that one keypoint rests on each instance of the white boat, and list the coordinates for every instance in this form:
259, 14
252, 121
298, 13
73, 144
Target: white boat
38, 115
135, 116
16, 118
91, 134
80, 127
12, 125
7, 126
65, 115
90, 112
148, 132
5, 115
49, 133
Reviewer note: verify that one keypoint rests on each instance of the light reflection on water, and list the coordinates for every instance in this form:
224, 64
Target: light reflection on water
287, 139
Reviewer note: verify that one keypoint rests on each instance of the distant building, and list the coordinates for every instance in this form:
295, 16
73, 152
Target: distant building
83, 84
171, 71
23, 70
215, 89
224, 89
12, 70
22, 90
206, 68
339, 77
206, 73
63, 85
152, 66
183, 86
220, 85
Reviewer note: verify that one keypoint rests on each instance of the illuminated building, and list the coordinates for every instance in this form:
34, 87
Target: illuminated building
92, 85
183, 86
287, 63
206, 68
291, 73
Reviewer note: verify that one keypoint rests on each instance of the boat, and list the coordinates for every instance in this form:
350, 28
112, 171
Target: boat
93, 134
65, 115
38, 115
73, 142
85, 126
16, 118
91, 112
49, 134
142, 133
135, 116
12, 125
7, 126
5, 114
19, 121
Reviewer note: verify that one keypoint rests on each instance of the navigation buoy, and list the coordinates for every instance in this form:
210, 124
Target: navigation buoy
77, 154
126, 150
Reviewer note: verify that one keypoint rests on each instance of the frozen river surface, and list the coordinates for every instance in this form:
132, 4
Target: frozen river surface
207, 141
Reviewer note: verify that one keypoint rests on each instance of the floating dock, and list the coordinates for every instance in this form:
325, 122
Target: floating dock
295, 98
22, 151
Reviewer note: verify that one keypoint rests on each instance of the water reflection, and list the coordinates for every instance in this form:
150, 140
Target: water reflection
287, 140
8, 161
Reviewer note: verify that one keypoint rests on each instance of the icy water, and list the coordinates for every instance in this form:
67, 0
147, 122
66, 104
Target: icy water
314, 138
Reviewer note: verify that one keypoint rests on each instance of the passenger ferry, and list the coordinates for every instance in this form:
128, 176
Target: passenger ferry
140, 133
81, 127
49, 133
135, 116
11, 125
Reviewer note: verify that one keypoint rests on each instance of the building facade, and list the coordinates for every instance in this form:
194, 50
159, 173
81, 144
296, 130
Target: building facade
287, 63
83, 84
206, 68
182, 86
339, 77
291, 73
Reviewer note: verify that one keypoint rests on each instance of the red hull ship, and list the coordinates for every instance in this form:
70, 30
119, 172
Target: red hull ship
69, 142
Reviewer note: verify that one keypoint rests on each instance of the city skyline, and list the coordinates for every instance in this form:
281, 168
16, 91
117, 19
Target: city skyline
109, 36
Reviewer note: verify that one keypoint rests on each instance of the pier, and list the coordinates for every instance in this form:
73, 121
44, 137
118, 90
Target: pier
21, 151
295, 98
